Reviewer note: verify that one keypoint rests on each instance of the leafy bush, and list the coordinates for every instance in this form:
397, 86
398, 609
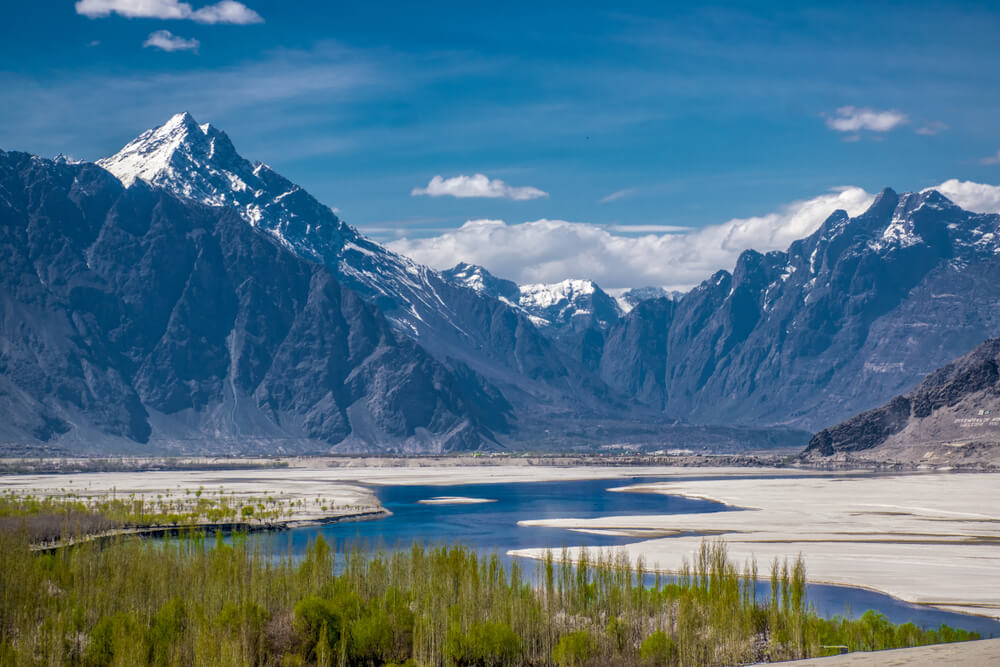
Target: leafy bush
658, 649
488, 644
573, 649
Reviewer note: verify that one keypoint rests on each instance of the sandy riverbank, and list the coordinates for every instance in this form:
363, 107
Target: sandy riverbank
455, 500
965, 654
304, 496
928, 539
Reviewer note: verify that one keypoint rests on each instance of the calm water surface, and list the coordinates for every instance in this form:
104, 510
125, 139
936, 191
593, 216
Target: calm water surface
492, 527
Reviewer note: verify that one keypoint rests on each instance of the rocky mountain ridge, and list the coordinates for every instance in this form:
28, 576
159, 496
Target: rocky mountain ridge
198, 162
134, 321
845, 319
951, 418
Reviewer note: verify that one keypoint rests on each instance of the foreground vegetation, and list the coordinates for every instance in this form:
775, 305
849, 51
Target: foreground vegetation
195, 602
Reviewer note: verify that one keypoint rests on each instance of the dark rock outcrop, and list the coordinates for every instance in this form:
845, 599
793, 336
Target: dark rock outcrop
953, 416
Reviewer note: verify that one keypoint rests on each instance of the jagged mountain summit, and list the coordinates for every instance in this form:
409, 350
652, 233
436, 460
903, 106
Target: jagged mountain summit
200, 163
557, 308
136, 321
854, 314
952, 418
575, 314
454, 323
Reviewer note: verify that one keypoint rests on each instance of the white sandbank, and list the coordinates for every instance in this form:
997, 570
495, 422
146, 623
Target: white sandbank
455, 500
969, 654
928, 538
321, 498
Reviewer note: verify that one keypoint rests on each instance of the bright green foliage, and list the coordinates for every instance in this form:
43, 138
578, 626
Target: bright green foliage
659, 649
203, 602
167, 631
488, 644
574, 649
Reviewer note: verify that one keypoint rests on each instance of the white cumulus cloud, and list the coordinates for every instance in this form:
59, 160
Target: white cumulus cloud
477, 185
168, 41
978, 197
855, 119
669, 256
226, 11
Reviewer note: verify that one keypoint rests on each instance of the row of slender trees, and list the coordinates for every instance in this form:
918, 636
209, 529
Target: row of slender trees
192, 601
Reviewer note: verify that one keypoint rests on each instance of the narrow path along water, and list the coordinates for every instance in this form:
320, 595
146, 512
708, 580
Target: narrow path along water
492, 527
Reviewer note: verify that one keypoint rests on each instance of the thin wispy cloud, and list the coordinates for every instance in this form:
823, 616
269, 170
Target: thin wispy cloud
226, 11
932, 128
856, 119
991, 159
615, 196
167, 41
477, 185
671, 256
34, 117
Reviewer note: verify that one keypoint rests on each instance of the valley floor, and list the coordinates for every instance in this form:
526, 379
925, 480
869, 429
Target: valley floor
968, 654
929, 538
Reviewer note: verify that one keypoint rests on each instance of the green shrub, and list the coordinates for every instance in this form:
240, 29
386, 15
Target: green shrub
487, 644
658, 649
114, 640
573, 649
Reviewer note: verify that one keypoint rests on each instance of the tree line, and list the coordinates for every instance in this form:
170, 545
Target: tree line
200, 601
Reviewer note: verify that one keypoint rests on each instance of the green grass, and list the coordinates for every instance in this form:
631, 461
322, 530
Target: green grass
191, 602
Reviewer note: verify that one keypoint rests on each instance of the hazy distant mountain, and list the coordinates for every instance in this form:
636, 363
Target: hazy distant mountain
134, 320
557, 308
951, 418
854, 314
574, 313
630, 298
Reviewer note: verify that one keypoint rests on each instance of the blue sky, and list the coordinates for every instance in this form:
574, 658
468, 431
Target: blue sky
624, 115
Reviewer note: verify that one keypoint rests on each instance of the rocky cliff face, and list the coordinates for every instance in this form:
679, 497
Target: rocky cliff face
845, 319
951, 418
136, 321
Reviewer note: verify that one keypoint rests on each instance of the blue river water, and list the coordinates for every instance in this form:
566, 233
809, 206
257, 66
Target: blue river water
492, 528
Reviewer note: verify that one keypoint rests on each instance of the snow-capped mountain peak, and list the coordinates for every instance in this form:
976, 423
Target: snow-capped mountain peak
477, 278
149, 156
199, 162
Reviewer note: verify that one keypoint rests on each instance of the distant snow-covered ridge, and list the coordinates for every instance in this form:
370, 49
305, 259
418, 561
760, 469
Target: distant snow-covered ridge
568, 304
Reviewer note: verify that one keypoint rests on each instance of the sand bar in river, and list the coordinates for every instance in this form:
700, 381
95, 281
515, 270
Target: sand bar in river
926, 538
